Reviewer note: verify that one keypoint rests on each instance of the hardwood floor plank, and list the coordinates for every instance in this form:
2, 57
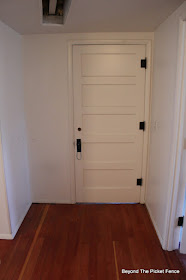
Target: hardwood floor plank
124, 259
182, 259
33, 242
27, 273
116, 262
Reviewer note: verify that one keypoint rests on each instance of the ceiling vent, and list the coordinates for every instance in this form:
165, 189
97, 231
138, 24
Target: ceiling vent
55, 11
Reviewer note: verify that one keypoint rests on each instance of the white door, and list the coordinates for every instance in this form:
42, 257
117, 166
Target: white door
109, 86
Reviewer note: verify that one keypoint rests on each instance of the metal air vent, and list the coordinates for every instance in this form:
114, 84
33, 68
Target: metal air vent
55, 11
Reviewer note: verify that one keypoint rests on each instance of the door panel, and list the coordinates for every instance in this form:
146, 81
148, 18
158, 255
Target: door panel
106, 64
109, 151
108, 85
106, 179
109, 124
109, 95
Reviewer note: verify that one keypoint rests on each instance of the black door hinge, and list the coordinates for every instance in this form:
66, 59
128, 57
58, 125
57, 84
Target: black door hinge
180, 221
144, 63
139, 182
142, 126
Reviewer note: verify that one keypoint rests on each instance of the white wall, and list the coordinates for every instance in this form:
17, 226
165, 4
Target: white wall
13, 126
184, 128
46, 106
163, 100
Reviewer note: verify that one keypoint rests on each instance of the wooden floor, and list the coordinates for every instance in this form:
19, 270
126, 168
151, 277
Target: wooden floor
85, 242
182, 258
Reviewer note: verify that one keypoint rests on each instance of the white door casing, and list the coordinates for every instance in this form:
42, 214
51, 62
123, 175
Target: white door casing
109, 100
183, 241
182, 202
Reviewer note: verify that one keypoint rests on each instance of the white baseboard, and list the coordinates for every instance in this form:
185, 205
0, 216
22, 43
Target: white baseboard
7, 236
52, 201
11, 236
155, 225
20, 220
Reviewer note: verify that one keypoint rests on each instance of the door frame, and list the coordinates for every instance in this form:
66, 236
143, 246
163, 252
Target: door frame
172, 232
146, 138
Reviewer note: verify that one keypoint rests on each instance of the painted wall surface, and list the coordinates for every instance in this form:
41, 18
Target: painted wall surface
13, 125
184, 128
46, 107
163, 99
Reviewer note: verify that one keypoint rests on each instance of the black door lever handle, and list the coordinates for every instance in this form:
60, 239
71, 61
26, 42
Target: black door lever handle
78, 143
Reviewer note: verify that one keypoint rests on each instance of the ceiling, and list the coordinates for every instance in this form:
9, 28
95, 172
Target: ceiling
25, 16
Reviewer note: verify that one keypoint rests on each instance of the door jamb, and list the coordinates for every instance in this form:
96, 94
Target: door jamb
170, 242
146, 141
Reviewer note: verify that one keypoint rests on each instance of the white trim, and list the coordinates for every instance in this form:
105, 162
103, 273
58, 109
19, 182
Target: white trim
149, 123
10, 236
146, 139
20, 221
49, 201
3, 189
70, 106
71, 127
154, 224
7, 236
176, 144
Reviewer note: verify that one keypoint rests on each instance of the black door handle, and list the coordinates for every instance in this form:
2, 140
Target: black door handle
78, 143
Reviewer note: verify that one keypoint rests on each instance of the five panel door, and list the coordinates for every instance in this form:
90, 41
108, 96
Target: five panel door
109, 89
